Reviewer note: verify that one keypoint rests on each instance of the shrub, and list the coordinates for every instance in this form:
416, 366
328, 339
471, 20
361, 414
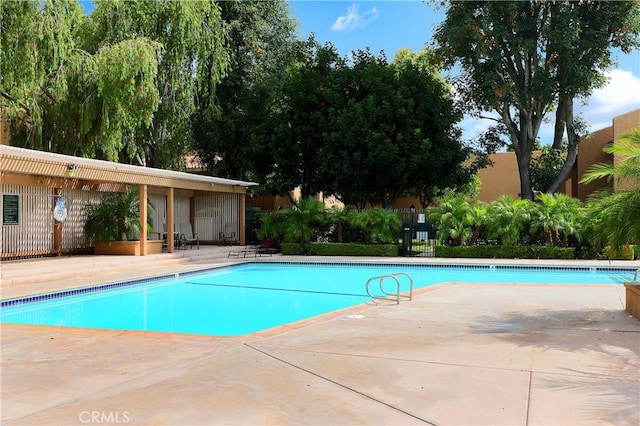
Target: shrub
339, 249
507, 252
624, 253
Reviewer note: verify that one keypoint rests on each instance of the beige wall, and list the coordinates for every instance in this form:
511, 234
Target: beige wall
623, 124
500, 179
590, 153
503, 178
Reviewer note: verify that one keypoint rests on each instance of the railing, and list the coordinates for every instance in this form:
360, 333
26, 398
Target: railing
391, 295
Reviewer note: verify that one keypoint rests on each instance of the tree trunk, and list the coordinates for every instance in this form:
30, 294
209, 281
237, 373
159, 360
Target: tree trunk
524, 162
561, 120
572, 152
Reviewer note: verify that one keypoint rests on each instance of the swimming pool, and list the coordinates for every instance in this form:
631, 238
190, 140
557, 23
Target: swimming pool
254, 296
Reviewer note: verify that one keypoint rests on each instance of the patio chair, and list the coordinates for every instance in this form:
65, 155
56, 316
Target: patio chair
187, 237
229, 234
178, 241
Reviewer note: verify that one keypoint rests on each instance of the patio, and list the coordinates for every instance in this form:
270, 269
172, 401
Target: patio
459, 353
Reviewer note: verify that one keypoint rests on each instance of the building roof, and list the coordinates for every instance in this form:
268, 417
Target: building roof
40, 163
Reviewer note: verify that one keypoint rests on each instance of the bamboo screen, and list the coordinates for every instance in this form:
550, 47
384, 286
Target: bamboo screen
33, 234
215, 214
72, 227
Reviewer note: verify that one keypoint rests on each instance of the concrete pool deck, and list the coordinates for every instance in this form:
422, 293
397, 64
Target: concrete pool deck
459, 353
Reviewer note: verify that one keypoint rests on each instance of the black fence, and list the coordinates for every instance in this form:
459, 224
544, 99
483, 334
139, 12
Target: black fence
418, 234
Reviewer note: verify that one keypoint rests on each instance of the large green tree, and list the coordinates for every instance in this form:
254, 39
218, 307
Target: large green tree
364, 129
62, 98
295, 133
522, 59
192, 34
260, 40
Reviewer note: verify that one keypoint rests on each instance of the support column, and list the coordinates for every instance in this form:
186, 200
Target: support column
169, 224
57, 226
241, 219
143, 220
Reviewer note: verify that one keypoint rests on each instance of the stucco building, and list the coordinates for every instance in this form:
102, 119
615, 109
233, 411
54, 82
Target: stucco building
503, 179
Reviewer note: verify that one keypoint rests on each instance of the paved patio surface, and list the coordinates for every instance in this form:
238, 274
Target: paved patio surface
458, 354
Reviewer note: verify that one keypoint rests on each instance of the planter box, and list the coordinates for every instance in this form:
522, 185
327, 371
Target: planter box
127, 248
633, 299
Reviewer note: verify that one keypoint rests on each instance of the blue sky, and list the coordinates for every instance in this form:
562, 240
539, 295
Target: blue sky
390, 25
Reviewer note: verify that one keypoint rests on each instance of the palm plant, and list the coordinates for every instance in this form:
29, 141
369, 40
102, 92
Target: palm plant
507, 218
380, 225
559, 216
270, 227
339, 217
303, 221
478, 219
453, 217
116, 217
617, 213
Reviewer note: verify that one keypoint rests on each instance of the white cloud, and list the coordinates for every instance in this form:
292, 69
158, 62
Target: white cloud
621, 94
354, 20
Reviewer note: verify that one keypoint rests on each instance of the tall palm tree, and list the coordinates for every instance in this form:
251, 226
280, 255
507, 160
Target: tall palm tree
618, 214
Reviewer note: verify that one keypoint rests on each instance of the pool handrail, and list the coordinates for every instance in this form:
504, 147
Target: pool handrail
397, 295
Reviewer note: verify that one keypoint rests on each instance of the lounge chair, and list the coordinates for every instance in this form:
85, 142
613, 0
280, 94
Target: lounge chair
243, 252
187, 237
256, 251
262, 249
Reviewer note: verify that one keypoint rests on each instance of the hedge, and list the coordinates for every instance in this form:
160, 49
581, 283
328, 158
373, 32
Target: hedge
626, 253
507, 252
339, 249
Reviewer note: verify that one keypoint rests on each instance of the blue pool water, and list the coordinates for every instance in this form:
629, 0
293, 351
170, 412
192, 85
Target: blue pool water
256, 296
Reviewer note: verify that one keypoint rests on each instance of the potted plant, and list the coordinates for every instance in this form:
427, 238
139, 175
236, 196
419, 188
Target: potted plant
113, 225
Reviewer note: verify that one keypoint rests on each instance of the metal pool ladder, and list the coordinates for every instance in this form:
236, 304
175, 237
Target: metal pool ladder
391, 295
635, 276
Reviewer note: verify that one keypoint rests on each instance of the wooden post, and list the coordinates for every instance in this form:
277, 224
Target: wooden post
169, 224
143, 220
57, 226
241, 220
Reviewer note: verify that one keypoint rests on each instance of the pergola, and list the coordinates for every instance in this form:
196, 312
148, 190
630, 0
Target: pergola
19, 166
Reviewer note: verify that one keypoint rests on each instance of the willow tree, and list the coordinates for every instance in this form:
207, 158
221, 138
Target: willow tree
61, 98
522, 59
192, 35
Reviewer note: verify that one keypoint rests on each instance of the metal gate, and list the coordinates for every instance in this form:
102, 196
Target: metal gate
418, 235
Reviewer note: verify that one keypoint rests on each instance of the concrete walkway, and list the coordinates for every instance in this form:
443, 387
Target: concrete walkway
458, 354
